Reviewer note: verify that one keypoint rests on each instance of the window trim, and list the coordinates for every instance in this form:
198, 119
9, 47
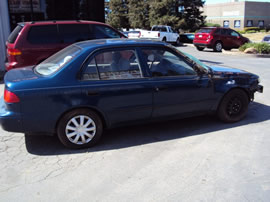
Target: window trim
174, 53
102, 50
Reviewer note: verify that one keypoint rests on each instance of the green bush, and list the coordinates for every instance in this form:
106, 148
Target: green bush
256, 29
262, 48
211, 25
242, 32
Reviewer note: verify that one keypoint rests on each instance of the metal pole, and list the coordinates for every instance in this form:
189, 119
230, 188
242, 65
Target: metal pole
32, 10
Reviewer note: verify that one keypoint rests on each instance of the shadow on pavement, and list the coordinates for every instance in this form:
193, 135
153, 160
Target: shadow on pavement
145, 134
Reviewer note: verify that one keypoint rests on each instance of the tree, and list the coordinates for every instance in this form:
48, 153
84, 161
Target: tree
118, 15
191, 13
138, 14
163, 12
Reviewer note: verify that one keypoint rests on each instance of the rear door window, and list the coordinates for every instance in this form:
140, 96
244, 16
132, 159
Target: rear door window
205, 30
103, 32
14, 34
71, 33
44, 34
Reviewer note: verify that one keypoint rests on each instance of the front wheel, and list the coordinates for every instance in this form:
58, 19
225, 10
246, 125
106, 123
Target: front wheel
79, 128
177, 43
233, 106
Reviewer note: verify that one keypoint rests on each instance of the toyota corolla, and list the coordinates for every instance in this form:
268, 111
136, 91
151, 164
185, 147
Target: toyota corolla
99, 84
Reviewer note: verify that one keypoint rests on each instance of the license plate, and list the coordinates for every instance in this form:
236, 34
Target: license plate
200, 36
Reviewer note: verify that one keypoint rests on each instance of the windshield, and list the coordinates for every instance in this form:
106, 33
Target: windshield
198, 62
58, 60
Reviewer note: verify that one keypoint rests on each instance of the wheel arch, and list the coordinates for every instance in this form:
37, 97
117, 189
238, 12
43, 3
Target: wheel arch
229, 90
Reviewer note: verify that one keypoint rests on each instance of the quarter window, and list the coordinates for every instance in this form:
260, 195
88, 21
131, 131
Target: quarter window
113, 65
164, 63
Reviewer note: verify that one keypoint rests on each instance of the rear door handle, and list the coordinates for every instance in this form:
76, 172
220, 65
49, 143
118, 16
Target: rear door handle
160, 88
92, 93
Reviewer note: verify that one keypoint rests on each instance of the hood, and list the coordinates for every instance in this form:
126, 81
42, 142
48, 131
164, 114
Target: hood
227, 70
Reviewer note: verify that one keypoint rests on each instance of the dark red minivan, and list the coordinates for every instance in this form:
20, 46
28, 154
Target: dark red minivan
32, 42
218, 38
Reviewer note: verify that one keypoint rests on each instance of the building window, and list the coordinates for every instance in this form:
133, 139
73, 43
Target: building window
249, 23
226, 23
261, 23
237, 24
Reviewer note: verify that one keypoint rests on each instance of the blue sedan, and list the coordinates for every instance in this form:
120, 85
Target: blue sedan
99, 84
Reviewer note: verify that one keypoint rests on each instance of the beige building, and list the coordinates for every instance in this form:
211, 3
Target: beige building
238, 15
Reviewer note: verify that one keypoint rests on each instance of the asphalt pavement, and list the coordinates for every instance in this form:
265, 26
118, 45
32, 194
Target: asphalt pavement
195, 159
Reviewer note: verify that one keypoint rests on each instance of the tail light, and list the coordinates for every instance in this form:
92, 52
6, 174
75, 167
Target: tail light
13, 51
210, 37
10, 97
139, 35
158, 34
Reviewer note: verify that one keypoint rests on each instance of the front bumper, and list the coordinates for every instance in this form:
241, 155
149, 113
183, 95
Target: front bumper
259, 88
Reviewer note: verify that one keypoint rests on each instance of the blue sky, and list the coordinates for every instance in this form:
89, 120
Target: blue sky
222, 1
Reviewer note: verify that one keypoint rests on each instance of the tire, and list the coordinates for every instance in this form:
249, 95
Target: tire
177, 43
233, 106
200, 48
218, 46
164, 39
84, 127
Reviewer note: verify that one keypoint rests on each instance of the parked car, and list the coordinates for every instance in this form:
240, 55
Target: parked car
32, 42
218, 38
186, 38
162, 33
266, 39
98, 84
134, 34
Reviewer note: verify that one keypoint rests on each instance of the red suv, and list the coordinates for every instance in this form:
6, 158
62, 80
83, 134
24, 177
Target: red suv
32, 42
218, 38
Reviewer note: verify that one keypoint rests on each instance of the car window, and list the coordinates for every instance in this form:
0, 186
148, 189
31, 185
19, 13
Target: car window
267, 38
103, 32
205, 30
111, 65
71, 33
233, 33
224, 31
14, 34
165, 63
45, 34
57, 61
217, 31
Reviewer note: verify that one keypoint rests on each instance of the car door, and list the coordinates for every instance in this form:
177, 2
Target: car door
178, 88
113, 82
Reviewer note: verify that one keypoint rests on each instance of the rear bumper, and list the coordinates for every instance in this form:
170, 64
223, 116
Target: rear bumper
205, 45
10, 121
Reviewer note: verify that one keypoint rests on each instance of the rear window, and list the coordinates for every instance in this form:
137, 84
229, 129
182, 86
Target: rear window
14, 34
205, 30
71, 33
45, 34
160, 29
57, 61
103, 32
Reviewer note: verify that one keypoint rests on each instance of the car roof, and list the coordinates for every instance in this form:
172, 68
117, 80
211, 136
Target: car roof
60, 22
119, 42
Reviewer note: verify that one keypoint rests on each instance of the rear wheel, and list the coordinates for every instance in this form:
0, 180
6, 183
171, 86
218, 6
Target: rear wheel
200, 48
79, 128
164, 39
233, 106
218, 46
